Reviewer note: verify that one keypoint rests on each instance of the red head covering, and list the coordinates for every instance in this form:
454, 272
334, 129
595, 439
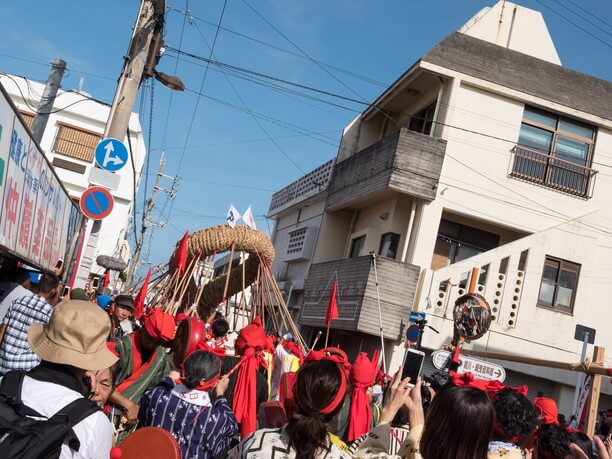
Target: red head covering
330, 353
160, 325
362, 375
294, 349
270, 343
492, 388
548, 408
250, 342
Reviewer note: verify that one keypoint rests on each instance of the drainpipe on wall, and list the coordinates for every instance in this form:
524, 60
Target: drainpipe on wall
408, 234
437, 109
350, 231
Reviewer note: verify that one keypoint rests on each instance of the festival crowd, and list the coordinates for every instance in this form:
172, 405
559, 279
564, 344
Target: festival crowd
89, 372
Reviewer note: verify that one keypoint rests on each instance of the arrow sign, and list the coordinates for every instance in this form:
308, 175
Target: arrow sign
111, 154
481, 369
96, 203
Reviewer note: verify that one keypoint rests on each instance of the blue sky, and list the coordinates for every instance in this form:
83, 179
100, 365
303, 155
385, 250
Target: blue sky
228, 158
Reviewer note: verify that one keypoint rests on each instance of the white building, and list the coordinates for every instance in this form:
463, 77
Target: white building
487, 154
69, 141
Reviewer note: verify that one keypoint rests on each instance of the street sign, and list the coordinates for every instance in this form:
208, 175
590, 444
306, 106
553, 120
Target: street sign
111, 154
412, 333
107, 179
96, 203
481, 369
581, 332
416, 316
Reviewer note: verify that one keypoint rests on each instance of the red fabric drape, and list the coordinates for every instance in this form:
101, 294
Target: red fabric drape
181, 254
106, 280
362, 375
332, 308
139, 301
294, 349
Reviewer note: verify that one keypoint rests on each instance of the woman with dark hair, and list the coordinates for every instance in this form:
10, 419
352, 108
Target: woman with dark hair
515, 420
193, 410
319, 390
459, 424
553, 442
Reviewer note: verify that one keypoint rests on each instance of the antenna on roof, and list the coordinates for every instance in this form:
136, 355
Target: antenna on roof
81, 81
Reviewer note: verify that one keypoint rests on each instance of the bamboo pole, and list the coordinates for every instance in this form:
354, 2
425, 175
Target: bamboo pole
594, 368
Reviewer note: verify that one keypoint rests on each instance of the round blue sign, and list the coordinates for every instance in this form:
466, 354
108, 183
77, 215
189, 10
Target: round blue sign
96, 203
111, 154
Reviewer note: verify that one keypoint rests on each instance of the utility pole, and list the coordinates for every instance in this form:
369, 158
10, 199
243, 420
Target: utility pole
58, 67
147, 220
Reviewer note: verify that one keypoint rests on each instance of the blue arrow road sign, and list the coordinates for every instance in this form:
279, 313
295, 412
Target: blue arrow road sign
111, 154
416, 316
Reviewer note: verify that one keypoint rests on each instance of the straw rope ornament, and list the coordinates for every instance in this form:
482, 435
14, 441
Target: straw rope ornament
219, 239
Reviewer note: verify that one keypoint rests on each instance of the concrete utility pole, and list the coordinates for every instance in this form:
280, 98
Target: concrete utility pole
147, 221
133, 70
58, 67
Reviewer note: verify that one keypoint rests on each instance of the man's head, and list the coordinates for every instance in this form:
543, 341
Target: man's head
20, 276
158, 328
123, 307
79, 294
50, 288
220, 328
515, 416
75, 337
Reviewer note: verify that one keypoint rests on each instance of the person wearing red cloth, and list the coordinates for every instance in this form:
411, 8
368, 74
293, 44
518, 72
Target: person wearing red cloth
287, 359
142, 364
250, 344
547, 410
362, 376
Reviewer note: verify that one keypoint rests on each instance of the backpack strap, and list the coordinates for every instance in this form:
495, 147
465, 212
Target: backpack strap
10, 391
74, 413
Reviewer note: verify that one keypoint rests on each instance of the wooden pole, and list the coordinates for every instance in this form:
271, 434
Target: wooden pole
473, 280
591, 368
594, 391
327, 335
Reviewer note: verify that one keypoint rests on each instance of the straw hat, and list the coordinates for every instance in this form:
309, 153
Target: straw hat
76, 335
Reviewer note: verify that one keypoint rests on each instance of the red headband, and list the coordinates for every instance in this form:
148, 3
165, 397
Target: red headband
339, 395
206, 384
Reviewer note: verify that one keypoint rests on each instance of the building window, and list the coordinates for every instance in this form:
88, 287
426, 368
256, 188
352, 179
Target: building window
75, 142
296, 241
423, 120
559, 283
28, 118
356, 246
388, 245
457, 242
555, 151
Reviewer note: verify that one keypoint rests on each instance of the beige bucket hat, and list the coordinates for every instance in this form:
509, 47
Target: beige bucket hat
76, 335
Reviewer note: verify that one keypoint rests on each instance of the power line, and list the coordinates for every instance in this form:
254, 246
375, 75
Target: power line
284, 50
195, 108
590, 14
573, 23
244, 104
581, 17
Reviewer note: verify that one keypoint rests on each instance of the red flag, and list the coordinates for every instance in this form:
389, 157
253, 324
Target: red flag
332, 309
106, 280
139, 301
181, 254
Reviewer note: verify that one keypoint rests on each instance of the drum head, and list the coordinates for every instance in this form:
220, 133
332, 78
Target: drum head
150, 443
472, 316
188, 335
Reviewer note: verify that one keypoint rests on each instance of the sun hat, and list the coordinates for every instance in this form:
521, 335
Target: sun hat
75, 335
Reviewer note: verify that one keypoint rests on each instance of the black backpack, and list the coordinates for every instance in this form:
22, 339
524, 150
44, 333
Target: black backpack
22, 437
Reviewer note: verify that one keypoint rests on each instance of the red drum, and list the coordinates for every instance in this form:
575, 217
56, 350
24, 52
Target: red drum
190, 332
152, 443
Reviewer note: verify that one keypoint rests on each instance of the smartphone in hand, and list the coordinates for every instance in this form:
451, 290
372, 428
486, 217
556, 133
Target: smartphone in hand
413, 364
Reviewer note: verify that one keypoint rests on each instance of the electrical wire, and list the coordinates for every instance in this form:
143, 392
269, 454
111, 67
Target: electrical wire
284, 50
582, 17
590, 14
573, 23
244, 104
131, 155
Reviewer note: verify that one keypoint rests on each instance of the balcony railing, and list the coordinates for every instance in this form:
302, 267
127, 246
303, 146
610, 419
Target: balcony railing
553, 172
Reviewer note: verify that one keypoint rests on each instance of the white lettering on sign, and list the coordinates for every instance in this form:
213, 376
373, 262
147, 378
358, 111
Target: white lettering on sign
481, 369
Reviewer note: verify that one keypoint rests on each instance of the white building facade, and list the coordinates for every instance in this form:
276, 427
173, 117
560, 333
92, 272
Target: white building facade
69, 140
485, 154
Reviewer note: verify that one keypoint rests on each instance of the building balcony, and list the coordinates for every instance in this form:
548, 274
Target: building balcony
405, 161
553, 172
357, 302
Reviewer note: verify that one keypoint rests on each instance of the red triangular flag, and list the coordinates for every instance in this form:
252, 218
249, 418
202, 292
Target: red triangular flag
106, 280
139, 301
181, 254
332, 309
